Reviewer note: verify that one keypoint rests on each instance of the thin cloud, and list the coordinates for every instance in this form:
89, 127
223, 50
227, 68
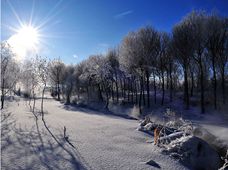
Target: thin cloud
123, 14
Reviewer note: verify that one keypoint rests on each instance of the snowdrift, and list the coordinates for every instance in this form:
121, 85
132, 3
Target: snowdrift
194, 153
177, 140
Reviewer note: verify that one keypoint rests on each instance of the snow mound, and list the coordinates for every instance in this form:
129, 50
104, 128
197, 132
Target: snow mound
194, 153
220, 145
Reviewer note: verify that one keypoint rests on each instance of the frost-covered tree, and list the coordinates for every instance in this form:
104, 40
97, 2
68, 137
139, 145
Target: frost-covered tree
139, 51
163, 60
56, 68
30, 79
223, 56
9, 71
197, 25
69, 82
99, 70
43, 75
183, 45
112, 57
149, 47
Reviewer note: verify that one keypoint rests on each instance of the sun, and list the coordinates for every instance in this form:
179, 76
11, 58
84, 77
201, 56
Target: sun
28, 36
25, 41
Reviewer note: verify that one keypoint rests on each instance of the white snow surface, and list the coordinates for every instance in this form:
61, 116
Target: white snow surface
101, 141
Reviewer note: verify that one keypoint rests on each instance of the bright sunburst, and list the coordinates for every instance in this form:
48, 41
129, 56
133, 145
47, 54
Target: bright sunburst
28, 36
25, 41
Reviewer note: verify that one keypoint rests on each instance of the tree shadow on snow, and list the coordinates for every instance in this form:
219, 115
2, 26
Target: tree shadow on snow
90, 110
154, 164
32, 148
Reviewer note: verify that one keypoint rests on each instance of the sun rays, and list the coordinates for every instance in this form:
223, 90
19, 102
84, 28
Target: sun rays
25, 41
29, 36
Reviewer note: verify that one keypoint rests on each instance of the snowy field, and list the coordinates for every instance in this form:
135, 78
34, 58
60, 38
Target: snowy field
100, 141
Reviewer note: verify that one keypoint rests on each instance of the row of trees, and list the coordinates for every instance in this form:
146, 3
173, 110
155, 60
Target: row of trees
195, 53
193, 57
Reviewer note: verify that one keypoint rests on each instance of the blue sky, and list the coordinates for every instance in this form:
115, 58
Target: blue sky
75, 29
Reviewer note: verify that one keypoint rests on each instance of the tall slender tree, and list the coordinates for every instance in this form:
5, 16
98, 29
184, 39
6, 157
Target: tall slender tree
183, 45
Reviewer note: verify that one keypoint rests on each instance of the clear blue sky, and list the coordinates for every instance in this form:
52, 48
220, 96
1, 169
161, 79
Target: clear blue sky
75, 29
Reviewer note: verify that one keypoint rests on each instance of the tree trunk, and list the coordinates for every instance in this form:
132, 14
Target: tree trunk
140, 97
34, 104
100, 93
167, 80
42, 102
223, 85
117, 88
128, 87
3, 93
132, 92
69, 91
202, 87
58, 90
163, 88
68, 99
136, 93
124, 88
155, 90
34, 101
214, 82
186, 95
192, 83
143, 91
107, 99
2, 101
171, 84
87, 90
112, 91
148, 88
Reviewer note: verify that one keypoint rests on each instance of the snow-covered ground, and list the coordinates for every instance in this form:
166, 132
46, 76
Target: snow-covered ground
101, 141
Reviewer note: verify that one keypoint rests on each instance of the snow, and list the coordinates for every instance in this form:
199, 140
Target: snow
179, 142
101, 141
211, 126
194, 153
171, 136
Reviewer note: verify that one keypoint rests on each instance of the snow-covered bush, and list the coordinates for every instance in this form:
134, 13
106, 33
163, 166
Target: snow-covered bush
171, 128
172, 121
225, 159
193, 152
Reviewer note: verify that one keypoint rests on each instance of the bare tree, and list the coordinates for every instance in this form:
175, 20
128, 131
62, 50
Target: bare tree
149, 49
56, 74
216, 33
112, 57
9, 71
30, 79
69, 81
197, 24
99, 70
132, 61
183, 46
163, 58
223, 56
42, 68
